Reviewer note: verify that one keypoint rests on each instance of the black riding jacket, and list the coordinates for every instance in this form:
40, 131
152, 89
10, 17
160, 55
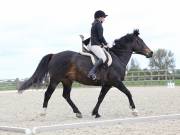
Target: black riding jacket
97, 37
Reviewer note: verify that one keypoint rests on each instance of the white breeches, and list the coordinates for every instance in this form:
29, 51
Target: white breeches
98, 51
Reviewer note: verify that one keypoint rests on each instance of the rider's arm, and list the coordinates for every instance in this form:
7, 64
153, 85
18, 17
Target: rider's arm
100, 34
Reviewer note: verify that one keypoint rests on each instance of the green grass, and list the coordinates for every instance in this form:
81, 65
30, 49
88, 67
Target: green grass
7, 86
146, 83
150, 83
12, 85
177, 82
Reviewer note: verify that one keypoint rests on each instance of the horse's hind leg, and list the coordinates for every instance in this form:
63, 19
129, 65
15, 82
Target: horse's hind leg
48, 93
123, 88
102, 94
67, 85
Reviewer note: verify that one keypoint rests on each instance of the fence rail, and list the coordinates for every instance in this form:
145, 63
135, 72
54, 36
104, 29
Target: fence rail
152, 77
132, 78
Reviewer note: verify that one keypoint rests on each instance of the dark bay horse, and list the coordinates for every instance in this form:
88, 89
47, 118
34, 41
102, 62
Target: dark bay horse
68, 66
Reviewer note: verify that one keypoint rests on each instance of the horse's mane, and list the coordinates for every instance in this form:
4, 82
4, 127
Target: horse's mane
119, 43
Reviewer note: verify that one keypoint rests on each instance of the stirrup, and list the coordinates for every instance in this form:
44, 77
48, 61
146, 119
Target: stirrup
92, 76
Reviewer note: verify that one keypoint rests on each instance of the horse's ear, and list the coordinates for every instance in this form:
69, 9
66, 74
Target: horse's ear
136, 32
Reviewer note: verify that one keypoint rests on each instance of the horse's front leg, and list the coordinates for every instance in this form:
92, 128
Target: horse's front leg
102, 94
123, 88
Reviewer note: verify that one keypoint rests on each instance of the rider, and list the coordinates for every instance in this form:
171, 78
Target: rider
97, 42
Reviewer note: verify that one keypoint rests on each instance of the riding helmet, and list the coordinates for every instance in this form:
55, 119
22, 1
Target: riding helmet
99, 13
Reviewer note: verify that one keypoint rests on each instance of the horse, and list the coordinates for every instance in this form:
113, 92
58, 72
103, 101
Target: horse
69, 66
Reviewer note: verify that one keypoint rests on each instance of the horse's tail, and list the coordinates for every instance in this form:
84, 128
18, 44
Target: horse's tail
38, 75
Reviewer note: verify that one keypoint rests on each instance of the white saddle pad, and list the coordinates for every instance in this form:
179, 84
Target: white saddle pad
93, 59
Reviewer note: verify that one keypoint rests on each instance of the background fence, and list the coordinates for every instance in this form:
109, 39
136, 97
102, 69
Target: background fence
132, 78
152, 77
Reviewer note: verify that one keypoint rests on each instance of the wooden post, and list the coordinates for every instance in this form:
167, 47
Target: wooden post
166, 75
17, 83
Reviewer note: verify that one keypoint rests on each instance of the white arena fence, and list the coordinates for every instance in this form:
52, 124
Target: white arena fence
26, 131
134, 78
57, 127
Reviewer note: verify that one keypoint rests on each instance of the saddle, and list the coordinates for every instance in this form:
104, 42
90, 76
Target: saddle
94, 58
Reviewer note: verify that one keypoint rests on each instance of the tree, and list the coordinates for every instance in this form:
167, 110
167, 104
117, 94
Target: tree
133, 70
177, 74
134, 65
162, 59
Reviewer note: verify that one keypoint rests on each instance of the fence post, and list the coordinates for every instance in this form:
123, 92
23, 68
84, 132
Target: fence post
151, 77
17, 83
166, 75
132, 78
173, 76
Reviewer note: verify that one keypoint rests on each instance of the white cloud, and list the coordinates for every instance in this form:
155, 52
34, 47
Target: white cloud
31, 29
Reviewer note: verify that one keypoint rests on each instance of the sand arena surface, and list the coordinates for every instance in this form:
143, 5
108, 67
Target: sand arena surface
23, 110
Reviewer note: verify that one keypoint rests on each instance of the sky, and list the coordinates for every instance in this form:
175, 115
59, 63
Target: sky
30, 29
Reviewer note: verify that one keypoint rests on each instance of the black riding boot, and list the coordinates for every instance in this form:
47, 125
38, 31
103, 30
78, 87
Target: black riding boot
92, 72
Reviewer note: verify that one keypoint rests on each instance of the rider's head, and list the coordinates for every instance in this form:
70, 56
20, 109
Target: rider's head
100, 15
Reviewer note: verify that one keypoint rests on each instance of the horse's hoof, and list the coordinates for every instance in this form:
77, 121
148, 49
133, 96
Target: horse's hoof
44, 112
134, 112
20, 92
78, 115
97, 116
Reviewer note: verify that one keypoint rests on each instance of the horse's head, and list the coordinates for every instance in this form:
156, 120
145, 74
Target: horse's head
133, 43
139, 46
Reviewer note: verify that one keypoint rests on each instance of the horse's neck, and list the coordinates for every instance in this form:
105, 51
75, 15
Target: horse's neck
124, 57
